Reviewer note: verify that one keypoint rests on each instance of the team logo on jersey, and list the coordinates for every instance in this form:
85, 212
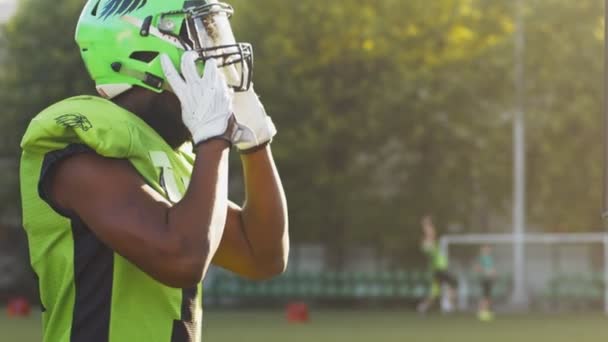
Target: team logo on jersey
74, 121
121, 7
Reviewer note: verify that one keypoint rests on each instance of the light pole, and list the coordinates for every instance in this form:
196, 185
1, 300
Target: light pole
605, 204
519, 162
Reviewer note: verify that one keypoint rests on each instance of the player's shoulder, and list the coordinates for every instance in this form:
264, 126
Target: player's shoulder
89, 166
78, 176
91, 120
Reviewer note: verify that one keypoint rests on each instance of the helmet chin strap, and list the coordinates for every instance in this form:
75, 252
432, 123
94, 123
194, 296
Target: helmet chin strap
110, 91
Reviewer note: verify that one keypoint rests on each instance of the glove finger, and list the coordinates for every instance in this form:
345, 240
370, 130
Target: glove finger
220, 82
210, 77
175, 80
189, 68
219, 79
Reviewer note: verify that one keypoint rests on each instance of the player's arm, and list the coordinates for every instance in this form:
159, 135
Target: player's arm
173, 244
428, 232
427, 243
256, 239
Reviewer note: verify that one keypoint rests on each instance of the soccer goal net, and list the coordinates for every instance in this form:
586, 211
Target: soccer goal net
561, 272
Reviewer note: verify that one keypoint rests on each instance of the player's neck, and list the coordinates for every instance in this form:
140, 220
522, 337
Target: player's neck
156, 113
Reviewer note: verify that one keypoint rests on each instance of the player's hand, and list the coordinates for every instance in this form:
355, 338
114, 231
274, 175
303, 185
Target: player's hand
255, 128
426, 221
206, 101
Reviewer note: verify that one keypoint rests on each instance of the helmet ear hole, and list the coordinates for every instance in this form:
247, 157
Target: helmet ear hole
144, 56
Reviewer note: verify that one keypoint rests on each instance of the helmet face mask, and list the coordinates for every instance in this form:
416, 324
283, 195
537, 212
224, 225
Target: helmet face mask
237, 62
121, 41
206, 30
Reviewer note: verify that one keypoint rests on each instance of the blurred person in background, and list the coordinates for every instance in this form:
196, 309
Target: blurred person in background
125, 197
441, 278
484, 266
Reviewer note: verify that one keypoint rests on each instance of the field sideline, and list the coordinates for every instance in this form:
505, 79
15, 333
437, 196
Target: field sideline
374, 326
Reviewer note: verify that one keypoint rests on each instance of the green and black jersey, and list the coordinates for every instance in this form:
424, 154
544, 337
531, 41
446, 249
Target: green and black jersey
90, 293
437, 261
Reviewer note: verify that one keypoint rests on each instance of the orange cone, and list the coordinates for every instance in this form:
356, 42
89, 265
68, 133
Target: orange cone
297, 312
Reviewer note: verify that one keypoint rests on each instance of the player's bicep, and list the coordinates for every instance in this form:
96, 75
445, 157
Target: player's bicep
114, 202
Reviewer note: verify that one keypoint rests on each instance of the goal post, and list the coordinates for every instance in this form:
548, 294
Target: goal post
451, 240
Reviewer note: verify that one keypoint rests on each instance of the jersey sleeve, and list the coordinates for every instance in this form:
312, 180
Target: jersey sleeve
47, 172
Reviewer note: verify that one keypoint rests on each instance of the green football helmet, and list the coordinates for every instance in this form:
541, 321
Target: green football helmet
121, 41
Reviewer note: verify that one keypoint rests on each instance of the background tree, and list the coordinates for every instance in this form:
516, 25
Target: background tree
387, 110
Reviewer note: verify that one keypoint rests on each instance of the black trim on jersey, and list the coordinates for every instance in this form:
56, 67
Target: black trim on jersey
93, 278
184, 329
51, 159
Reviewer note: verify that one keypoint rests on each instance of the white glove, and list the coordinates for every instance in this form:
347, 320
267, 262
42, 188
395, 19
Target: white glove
206, 101
254, 127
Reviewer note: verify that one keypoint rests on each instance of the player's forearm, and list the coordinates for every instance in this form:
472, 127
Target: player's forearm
264, 215
200, 216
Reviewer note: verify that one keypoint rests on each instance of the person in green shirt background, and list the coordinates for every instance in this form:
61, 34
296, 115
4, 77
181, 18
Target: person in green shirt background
438, 265
487, 271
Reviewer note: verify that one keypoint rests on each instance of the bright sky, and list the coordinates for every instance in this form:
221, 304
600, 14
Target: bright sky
7, 8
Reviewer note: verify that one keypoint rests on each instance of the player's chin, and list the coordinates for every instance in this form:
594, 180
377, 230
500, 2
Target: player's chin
168, 102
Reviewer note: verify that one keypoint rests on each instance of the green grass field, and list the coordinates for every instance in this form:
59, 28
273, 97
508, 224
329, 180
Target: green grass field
374, 326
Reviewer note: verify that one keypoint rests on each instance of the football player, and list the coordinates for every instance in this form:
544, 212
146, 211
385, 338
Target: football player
125, 195
438, 265
487, 271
